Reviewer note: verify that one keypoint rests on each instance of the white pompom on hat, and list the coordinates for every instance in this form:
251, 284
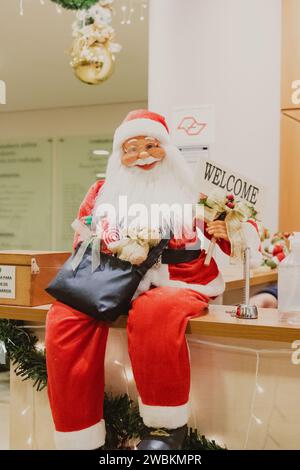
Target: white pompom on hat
141, 122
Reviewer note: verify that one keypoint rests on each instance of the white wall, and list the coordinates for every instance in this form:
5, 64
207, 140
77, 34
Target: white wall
80, 120
226, 53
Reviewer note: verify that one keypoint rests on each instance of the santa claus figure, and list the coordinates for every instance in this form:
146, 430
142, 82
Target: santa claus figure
149, 171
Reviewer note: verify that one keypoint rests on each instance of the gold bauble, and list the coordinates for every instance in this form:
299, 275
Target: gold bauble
94, 73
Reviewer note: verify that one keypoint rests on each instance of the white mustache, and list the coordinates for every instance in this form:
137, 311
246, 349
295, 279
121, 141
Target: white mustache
145, 161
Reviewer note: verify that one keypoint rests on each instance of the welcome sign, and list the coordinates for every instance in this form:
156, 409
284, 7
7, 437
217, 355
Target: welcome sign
214, 176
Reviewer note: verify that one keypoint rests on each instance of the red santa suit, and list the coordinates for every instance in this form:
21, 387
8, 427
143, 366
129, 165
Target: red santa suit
167, 298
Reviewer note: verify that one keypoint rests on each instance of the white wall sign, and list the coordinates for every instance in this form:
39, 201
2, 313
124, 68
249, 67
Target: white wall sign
7, 282
2, 92
194, 157
216, 176
193, 126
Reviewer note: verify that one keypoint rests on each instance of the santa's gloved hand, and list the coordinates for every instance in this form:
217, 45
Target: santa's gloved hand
218, 229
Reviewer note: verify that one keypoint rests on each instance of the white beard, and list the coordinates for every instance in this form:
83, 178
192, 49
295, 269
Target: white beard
169, 182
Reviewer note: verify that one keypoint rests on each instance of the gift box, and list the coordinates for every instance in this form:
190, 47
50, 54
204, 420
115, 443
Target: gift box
25, 274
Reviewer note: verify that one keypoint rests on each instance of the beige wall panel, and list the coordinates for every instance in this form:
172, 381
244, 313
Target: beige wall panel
290, 50
290, 172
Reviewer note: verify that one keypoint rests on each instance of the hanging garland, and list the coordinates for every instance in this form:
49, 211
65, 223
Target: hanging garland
75, 4
124, 426
92, 55
94, 48
21, 348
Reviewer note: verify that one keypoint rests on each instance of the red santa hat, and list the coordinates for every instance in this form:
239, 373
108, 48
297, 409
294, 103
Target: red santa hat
142, 122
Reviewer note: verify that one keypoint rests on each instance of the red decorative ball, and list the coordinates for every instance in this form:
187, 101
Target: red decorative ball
230, 205
280, 256
230, 197
277, 249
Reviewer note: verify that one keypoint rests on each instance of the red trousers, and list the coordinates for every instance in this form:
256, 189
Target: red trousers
75, 346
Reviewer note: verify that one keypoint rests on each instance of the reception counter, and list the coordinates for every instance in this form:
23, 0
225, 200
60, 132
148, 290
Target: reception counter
218, 320
244, 378
244, 389
232, 295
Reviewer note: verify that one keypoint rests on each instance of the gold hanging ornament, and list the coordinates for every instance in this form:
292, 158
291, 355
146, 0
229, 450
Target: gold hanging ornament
93, 48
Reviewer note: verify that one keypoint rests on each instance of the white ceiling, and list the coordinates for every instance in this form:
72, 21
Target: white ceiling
34, 59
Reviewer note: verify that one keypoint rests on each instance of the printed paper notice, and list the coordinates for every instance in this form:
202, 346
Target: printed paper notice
7, 282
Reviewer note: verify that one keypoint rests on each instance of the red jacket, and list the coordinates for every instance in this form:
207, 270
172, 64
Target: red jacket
194, 274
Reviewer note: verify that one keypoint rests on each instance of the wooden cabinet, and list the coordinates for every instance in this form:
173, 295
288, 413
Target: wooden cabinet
25, 274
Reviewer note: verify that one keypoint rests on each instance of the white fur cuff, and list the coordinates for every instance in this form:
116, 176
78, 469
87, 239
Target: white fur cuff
85, 439
170, 417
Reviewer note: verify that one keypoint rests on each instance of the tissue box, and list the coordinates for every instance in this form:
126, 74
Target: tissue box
25, 274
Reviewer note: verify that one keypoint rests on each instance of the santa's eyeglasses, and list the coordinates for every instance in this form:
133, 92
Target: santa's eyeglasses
135, 146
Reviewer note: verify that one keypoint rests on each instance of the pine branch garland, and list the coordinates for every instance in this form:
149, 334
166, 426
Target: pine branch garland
124, 426
196, 442
122, 421
21, 350
76, 4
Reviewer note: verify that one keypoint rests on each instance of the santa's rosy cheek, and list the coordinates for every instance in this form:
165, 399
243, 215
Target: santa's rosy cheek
157, 152
128, 160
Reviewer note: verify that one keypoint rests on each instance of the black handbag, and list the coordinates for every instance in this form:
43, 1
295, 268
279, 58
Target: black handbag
106, 292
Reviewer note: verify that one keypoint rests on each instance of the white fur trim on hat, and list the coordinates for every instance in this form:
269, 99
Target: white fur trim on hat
85, 439
170, 417
140, 127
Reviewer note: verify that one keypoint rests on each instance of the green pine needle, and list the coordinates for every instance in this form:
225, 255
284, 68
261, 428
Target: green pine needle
195, 441
76, 4
20, 345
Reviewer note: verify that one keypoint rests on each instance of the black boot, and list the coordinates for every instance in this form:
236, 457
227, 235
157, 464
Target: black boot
163, 439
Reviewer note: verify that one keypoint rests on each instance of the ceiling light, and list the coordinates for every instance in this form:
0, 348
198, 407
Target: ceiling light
100, 152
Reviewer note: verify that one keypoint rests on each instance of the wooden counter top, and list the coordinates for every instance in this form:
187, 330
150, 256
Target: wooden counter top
234, 278
34, 314
267, 327
216, 322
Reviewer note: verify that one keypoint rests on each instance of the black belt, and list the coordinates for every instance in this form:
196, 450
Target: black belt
179, 256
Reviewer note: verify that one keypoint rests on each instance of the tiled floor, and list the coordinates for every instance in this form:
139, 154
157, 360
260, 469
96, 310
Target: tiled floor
4, 410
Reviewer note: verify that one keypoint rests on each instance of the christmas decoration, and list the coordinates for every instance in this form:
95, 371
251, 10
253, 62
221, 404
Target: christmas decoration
128, 9
171, 293
22, 349
134, 244
275, 248
93, 47
124, 426
218, 206
77, 4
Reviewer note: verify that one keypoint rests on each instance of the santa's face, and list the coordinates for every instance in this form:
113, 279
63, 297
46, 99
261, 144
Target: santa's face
148, 184
142, 152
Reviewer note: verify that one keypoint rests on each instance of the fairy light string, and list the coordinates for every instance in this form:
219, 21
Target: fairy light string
129, 9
